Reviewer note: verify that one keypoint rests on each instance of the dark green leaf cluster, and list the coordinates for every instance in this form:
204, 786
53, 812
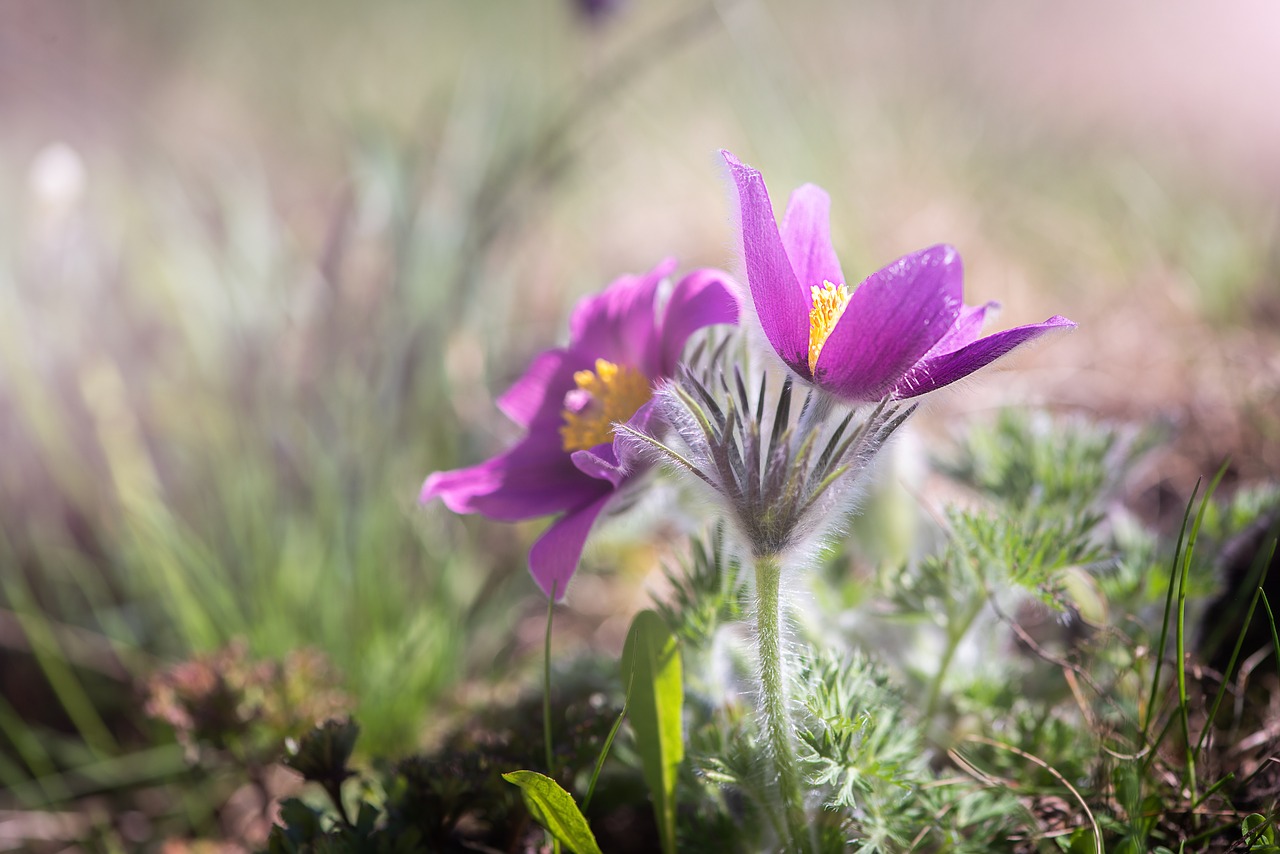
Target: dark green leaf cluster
453, 798
321, 756
306, 830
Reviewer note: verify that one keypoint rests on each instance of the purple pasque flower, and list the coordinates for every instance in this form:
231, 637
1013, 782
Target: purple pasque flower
621, 342
902, 332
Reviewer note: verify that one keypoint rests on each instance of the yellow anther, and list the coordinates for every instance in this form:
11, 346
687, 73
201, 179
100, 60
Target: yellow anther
609, 394
828, 304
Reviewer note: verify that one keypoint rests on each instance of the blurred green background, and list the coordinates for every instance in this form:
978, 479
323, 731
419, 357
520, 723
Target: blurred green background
264, 267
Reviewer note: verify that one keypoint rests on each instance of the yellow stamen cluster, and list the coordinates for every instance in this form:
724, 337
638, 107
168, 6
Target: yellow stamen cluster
616, 392
829, 302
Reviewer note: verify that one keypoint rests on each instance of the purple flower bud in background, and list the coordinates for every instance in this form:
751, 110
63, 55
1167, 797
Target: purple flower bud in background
597, 11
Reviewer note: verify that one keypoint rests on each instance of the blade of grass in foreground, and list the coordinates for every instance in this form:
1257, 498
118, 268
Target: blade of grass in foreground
1271, 620
1183, 704
35, 756
61, 676
607, 746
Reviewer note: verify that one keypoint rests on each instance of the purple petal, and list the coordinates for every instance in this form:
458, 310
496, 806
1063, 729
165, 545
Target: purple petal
620, 323
555, 555
624, 458
806, 234
539, 394
965, 331
943, 370
534, 478
702, 298
892, 320
601, 462
781, 303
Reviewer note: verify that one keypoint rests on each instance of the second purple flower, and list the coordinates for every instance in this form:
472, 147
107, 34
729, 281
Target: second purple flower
621, 343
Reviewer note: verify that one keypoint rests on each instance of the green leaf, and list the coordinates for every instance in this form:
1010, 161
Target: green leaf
1258, 831
554, 808
651, 666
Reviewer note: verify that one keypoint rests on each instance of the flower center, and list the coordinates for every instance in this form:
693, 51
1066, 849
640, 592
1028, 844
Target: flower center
605, 396
828, 304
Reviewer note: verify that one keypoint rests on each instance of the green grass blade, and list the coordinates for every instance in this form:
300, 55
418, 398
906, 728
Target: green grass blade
61, 676
1183, 705
1168, 608
1271, 622
32, 752
605, 748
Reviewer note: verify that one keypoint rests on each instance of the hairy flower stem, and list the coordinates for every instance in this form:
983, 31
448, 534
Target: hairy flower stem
773, 696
